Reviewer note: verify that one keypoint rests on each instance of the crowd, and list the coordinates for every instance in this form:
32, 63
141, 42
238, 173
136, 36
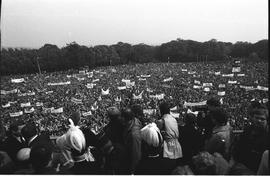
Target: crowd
121, 116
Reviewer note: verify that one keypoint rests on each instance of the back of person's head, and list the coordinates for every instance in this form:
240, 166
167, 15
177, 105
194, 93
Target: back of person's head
41, 155
137, 110
213, 102
16, 126
219, 116
182, 170
203, 164
259, 115
29, 130
127, 114
151, 135
76, 117
114, 114
164, 108
190, 119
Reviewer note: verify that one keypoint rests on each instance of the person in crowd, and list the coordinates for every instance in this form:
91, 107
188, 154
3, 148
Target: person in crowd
203, 164
41, 158
249, 148
138, 112
172, 150
7, 166
151, 163
14, 141
190, 138
23, 157
132, 139
221, 138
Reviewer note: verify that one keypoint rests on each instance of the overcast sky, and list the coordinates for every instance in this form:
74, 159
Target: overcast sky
32, 23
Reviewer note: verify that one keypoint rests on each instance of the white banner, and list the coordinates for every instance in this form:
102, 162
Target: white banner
16, 114
184, 70
26, 94
174, 108
237, 62
186, 104
262, 88
191, 72
217, 73
89, 113
236, 69
29, 111
206, 89
49, 92
117, 99
149, 90
17, 80
130, 84
191, 112
168, 79
197, 82
221, 93
25, 104
197, 87
121, 87
221, 86
241, 74
142, 79
145, 76
232, 82
39, 104
125, 80
207, 84
59, 83
136, 97
6, 105
227, 75
247, 87
76, 101
90, 85
57, 111
158, 96
5, 92
95, 80
265, 100
149, 111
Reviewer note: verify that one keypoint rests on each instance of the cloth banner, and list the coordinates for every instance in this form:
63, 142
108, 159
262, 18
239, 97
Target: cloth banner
20, 80
90, 85
236, 69
168, 79
191, 72
26, 94
184, 70
197, 82
6, 105
142, 79
16, 114
206, 89
80, 79
232, 82
221, 93
207, 84
227, 75
95, 80
217, 73
136, 97
47, 110
186, 104
39, 104
247, 87
241, 74
149, 111
5, 92
25, 104
87, 113
196, 87
262, 88
68, 76
221, 86
105, 92
265, 100
57, 111
49, 92
121, 87
76, 101
145, 76
59, 83
149, 90
26, 111
125, 80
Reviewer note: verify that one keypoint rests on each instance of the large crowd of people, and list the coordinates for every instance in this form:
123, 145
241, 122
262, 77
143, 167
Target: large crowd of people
137, 119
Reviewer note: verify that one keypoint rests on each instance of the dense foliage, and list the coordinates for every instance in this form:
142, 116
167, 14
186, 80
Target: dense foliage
51, 58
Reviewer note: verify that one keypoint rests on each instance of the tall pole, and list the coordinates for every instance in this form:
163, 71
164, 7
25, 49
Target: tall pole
38, 66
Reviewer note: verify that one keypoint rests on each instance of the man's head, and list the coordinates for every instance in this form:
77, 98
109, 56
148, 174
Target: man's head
16, 127
29, 130
219, 116
114, 114
76, 117
127, 115
138, 111
259, 116
212, 103
164, 108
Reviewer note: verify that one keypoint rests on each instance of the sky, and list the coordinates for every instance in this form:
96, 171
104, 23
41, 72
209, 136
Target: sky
33, 23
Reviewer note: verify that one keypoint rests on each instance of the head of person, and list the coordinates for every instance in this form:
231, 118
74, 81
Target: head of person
259, 116
76, 117
41, 155
151, 135
16, 127
127, 115
203, 164
190, 119
219, 117
164, 108
212, 103
137, 110
29, 130
114, 115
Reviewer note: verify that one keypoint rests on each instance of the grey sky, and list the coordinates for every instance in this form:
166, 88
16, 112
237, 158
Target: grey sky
32, 23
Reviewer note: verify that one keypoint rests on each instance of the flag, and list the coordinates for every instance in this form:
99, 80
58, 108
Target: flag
76, 101
236, 69
168, 79
25, 104
121, 87
136, 97
20, 80
16, 114
57, 111
105, 92
6, 105
87, 113
197, 82
29, 111
221, 93
221, 86
207, 84
232, 82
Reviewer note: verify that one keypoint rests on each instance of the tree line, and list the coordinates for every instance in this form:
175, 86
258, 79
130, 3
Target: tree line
50, 58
